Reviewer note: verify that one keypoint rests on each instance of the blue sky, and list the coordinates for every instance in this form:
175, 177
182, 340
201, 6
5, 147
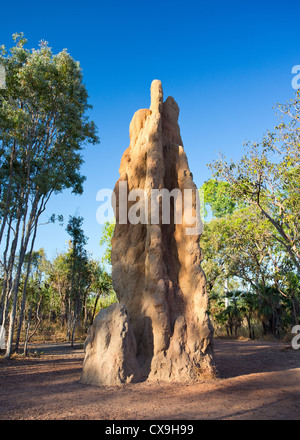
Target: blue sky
226, 63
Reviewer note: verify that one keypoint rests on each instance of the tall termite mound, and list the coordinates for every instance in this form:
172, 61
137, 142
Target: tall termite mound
161, 329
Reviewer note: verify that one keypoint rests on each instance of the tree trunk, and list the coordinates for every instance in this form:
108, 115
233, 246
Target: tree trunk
27, 331
95, 307
38, 320
21, 317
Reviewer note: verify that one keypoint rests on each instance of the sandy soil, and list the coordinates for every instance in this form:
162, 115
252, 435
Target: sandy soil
257, 380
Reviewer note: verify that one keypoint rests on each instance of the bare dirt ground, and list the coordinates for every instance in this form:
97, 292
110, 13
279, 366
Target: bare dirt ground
257, 380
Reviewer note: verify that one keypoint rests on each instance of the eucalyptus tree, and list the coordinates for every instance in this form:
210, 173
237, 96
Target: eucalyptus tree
79, 272
255, 230
268, 176
33, 271
240, 245
43, 129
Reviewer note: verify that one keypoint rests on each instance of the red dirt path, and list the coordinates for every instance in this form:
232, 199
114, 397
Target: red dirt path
257, 380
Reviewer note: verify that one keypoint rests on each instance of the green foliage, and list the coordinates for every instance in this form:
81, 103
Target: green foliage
42, 117
105, 300
268, 177
77, 296
217, 196
107, 233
